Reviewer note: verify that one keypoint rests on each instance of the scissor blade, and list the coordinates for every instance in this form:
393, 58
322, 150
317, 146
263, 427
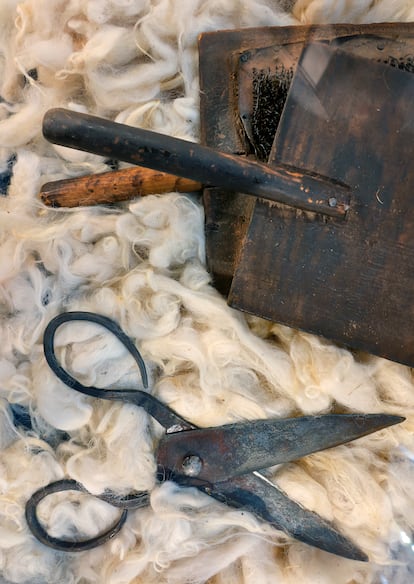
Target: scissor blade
235, 449
257, 494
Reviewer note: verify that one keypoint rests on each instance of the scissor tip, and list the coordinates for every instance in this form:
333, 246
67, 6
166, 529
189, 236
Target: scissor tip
359, 556
391, 419
346, 548
378, 421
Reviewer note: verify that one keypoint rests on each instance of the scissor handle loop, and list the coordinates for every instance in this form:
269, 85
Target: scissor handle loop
133, 501
105, 322
62, 544
165, 416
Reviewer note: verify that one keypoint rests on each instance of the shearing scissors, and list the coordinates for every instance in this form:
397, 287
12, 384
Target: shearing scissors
223, 461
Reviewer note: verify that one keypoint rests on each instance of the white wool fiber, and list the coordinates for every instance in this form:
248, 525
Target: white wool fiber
143, 264
357, 11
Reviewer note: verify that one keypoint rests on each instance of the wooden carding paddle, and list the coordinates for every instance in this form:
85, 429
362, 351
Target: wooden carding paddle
223, 81
351, 281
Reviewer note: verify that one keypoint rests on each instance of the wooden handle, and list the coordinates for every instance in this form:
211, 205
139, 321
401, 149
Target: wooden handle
187, 159
112, 187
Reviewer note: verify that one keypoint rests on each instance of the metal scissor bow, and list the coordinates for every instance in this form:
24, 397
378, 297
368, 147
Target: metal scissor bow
224, 461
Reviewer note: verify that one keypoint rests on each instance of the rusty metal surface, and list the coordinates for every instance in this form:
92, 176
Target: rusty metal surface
235, 449
258, 495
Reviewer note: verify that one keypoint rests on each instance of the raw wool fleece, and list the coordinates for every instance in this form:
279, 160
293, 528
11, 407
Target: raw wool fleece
142, 263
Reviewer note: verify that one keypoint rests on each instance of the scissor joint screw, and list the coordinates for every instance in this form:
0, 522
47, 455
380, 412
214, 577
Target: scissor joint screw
192, 465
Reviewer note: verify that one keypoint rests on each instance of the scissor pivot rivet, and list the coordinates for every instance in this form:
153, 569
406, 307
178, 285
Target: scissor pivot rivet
192, 465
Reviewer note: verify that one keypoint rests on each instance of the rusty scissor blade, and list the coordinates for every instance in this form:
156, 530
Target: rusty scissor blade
257, 494
235, 449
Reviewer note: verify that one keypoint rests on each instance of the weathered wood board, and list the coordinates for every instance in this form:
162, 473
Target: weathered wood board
351, 281
228, 215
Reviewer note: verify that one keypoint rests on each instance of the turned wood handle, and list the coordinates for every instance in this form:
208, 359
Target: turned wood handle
112, 187
200, 163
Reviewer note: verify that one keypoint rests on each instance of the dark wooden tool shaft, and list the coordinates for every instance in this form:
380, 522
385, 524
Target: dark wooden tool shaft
112, 187
157, 151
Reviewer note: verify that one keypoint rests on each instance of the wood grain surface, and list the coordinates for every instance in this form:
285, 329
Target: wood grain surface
349, 281
227, 217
